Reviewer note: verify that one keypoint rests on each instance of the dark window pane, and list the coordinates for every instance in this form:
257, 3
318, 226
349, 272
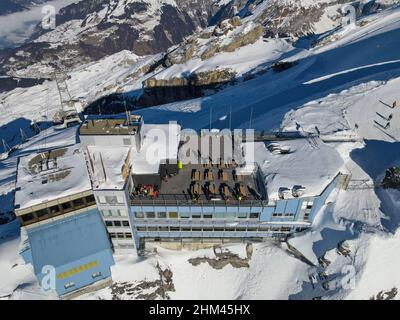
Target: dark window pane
108, 223
27, 217
66, 205
54, 209
90, 199
117, 223
78, 202
125, 223
41, 213
254, 215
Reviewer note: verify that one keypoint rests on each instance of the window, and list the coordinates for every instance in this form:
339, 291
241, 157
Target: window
117, 223
128, 235
241, 229
150, 215
66, 206
90, 199
41, 213
141, 228
218, 229
184, 215
152, 229
120, 235
54, 209
219, 215
111, 199
125, 223
101, 199
78, 202
174, 229
139, 215
242, 215
161, 215
109, 223
163, 228
254, 215
96, 275
186, 229
113, 235
230, 215
69, 285
126, 141
106, 213
196, 215
173, 215
208, 215
27, 217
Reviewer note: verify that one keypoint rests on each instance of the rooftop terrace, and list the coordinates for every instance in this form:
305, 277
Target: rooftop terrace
205, 185
110, 126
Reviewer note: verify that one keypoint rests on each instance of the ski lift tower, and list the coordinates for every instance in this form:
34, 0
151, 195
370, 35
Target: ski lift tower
68, 115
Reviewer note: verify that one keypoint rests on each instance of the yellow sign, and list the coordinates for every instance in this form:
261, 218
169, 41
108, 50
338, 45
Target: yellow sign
76, 270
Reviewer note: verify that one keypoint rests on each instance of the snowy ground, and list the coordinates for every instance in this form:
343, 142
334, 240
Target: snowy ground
350, 81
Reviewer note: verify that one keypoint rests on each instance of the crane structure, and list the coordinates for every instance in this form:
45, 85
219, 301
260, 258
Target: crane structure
68, 115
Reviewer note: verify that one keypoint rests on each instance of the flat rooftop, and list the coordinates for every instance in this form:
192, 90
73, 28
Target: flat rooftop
109, 166
218, 185
50, 175
307, 163
111, 126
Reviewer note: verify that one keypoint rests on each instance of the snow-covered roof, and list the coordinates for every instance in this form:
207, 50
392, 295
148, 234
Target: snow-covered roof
42, 177
309, 164
160, 142
108, 166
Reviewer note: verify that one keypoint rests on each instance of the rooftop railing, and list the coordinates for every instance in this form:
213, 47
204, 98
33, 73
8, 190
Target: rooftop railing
187, 200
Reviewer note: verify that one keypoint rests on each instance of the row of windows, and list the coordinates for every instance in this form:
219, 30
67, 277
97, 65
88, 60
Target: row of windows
283, 215
58, 209
117, 223
214, 229
120, 235
116, 213
196, 215
113, 200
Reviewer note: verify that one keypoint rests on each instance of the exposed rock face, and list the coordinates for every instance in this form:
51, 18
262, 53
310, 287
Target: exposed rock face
160, 91
244, 39
392, 179
92, 29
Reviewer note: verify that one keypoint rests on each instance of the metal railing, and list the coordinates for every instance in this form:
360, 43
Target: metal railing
186, 200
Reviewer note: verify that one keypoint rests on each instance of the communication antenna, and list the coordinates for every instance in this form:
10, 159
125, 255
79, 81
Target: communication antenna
230, 118
210, 116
